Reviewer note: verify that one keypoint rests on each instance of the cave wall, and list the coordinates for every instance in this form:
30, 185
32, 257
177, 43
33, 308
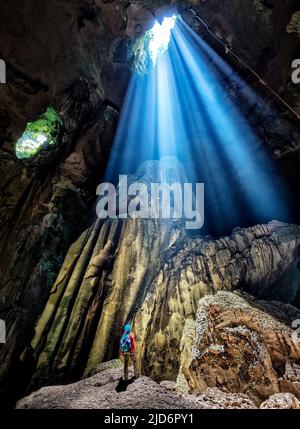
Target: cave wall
54, 55
152, 274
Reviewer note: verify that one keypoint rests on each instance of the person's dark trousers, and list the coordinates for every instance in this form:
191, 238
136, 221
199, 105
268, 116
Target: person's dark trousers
132, 356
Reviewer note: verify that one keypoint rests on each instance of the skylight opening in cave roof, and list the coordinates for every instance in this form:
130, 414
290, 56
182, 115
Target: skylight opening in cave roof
160, 36
39, 135
148, 48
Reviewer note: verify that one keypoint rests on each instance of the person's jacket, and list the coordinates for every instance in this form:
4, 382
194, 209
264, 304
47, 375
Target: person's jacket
131, 336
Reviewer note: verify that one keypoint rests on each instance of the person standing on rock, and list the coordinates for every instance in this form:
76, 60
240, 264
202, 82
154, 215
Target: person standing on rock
127, 349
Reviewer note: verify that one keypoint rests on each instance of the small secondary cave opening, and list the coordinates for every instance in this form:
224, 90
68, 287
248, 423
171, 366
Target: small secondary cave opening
39, 135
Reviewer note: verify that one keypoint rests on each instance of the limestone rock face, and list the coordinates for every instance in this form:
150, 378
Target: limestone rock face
90, 301
106, 390
82, 322
43, 208
243, 345
193, 268
139, 20
186, 347
55, 55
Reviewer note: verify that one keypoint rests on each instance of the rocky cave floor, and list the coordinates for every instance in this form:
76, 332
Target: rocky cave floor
239, 353
100, 392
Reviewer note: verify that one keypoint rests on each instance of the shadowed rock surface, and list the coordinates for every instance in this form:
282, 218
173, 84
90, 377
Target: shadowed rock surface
240, 352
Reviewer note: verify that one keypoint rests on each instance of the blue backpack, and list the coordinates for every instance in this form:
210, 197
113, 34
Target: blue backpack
125, 343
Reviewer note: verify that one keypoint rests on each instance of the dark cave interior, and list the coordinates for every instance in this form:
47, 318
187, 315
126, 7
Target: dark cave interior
74, 60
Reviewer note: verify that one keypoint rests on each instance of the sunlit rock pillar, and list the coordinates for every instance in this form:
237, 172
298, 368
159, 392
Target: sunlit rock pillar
102, 284
152, 273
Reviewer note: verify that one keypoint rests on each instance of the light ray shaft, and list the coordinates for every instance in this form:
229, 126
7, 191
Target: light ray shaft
180, 108
233, 140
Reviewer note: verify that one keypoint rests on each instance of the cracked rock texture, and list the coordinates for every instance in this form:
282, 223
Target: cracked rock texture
281, 401
101, 392
245, 346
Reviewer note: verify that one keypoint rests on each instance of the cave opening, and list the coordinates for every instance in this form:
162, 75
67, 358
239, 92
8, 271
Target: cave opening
179, 104
39, 135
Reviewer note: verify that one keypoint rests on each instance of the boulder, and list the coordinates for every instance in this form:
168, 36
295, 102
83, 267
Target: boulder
282, 401
243, 345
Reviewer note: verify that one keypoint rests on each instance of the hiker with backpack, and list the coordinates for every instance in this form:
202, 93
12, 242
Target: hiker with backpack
127, 349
